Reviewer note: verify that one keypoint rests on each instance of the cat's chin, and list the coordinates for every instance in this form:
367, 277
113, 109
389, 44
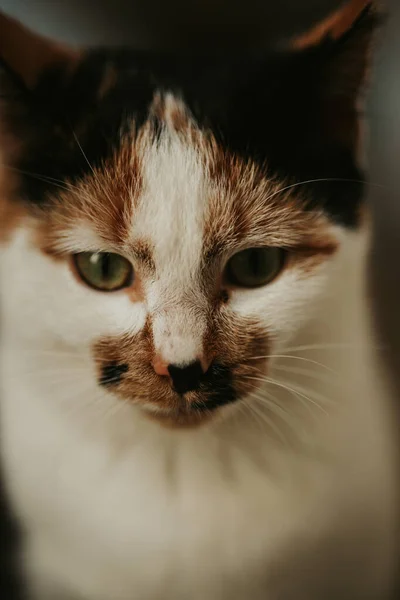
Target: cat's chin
189, 417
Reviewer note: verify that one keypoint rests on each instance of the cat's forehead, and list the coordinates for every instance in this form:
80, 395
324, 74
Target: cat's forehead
171, 207
169, 186
108, 128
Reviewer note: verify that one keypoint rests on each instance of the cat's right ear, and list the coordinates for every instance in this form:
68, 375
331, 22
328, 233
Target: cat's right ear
34, 73
27, 56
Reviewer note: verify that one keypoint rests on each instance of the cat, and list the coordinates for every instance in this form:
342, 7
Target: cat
191, 399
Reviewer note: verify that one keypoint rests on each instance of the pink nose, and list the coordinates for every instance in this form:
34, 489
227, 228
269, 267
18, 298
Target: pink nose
160, 367
183, 378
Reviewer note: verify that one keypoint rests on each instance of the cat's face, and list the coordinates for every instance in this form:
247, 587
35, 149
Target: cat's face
157, 216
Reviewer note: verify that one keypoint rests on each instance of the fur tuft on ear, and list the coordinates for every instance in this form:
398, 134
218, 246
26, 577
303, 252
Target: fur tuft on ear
27, 55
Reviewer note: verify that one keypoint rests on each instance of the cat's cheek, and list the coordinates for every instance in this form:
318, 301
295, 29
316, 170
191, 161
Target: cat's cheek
90, 314
283, 306
46, 302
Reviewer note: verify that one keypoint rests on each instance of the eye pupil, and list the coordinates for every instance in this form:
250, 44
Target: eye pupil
255, 262
254, 267
103, 271
105, 267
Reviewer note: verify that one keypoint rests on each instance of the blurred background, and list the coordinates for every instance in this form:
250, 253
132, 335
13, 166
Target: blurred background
176, 24
250, 25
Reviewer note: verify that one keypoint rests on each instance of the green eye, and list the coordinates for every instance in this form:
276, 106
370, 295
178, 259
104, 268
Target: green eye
104, 271
254, 267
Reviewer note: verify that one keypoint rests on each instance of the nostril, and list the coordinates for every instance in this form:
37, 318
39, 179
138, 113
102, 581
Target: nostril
186, 378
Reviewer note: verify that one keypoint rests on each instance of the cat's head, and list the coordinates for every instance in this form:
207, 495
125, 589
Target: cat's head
154, 211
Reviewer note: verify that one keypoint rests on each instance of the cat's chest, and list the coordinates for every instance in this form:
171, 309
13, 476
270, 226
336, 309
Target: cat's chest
129, 534
154, 515
116, 510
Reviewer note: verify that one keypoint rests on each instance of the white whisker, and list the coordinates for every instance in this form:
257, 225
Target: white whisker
83, 153
263, 418
293, 357
59, 183
326, 180
269, 401
331, 346
293, 390
325, 377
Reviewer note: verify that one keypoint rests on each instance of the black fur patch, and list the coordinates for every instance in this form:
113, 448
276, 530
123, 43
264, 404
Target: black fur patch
218, 388
112, 374
271, 109
63, 110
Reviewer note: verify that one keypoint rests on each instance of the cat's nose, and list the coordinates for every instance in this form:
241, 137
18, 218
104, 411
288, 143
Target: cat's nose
183, 378
186, 378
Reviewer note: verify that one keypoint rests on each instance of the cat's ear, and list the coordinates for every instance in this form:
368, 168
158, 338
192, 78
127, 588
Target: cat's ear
336, 24
27, 56
35, 77
340, 56
318, 107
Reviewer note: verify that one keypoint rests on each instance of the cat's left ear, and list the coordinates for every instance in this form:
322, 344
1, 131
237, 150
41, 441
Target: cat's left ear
316, 136
26, 56
336, 24
340, 50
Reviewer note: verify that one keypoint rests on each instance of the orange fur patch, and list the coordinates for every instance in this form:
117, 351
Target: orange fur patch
249, 207
110, 78
245, 206
10, 217
236, 343
334, 26
29, 54
104, 200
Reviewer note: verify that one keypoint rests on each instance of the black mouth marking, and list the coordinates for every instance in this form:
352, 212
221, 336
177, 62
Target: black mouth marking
112, 374
218, 391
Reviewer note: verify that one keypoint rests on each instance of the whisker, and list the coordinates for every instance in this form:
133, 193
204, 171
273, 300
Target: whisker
307, 373
59, 183
263, 418
290, 389
268, 400
292, 357
83, 153
298, 388
110, 411
327, 180
312, 394
332, 346
78, 407
46, 375
52, 353
294, 421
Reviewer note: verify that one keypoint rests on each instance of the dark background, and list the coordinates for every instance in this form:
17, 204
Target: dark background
221, 25
163, 24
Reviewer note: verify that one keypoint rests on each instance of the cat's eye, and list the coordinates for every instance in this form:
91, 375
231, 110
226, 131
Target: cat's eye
104, 271
254, 267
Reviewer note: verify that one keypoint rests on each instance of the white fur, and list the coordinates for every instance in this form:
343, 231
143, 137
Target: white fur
170, 215
117, 508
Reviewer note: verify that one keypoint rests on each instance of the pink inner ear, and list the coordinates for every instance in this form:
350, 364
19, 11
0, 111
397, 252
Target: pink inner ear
28, 54
334, 26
